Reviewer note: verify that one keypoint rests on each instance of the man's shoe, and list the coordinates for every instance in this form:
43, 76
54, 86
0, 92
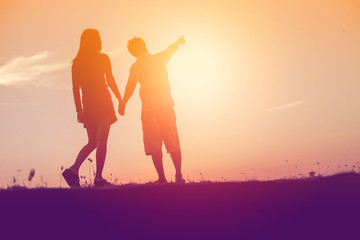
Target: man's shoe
161, 181
180, 180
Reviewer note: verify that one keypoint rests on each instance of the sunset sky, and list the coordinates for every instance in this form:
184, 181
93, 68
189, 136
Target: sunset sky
257, 83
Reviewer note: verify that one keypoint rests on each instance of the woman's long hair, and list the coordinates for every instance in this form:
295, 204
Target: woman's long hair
90, 43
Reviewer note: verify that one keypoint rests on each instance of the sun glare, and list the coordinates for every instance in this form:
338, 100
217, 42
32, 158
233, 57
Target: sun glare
197, 70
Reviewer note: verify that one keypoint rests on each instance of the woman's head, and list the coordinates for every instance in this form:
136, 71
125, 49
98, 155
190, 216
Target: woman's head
90, 43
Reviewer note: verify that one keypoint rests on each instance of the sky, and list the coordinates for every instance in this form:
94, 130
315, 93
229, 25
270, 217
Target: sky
262, 89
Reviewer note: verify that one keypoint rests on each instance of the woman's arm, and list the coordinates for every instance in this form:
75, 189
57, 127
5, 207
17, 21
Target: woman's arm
110, 78
76, 93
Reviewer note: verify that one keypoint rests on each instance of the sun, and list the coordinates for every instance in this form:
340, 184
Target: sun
197, 71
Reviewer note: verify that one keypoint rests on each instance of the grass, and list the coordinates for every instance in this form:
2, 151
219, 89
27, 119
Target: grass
87, 181
298, 208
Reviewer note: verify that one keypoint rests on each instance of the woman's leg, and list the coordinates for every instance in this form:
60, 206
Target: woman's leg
101, 137
85, 151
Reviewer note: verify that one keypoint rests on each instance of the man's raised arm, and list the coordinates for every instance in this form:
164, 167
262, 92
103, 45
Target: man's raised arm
167, 53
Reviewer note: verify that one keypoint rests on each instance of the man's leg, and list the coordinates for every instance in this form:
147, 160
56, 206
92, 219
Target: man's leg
176, 158
158, 163
171, 140
153, 142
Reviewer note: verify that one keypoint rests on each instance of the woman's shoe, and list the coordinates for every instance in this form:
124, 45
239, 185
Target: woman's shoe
102, 183
71, 179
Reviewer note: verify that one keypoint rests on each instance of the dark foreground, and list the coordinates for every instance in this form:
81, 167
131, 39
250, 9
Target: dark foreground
323, 208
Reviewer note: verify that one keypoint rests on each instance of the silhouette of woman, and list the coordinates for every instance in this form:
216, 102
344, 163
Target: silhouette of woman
95, 110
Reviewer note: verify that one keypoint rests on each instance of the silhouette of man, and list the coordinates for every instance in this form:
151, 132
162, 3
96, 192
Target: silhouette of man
157, 112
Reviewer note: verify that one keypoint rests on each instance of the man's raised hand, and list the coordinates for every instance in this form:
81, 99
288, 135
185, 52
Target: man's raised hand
181, 40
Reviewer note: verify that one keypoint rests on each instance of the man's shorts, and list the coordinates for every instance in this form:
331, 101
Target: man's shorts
159, 125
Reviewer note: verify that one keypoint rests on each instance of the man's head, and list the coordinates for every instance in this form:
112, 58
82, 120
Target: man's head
136, 46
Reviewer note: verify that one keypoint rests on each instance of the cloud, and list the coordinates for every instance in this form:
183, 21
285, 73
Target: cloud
286, 106
16, 103
28, 69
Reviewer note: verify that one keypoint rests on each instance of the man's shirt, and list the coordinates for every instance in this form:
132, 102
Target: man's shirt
151, 73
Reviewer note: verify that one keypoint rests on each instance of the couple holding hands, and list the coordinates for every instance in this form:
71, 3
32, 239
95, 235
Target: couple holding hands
92, 75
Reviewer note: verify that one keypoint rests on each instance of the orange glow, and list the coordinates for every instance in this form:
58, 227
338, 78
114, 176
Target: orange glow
257, 83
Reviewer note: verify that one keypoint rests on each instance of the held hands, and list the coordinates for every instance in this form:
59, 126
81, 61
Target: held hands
80, 117
121, 108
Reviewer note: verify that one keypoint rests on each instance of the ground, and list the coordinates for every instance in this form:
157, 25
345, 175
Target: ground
317, 208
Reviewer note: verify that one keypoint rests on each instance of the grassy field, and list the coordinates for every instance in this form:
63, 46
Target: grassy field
317, 208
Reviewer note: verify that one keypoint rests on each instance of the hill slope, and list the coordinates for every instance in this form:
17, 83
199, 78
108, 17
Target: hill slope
325, 208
